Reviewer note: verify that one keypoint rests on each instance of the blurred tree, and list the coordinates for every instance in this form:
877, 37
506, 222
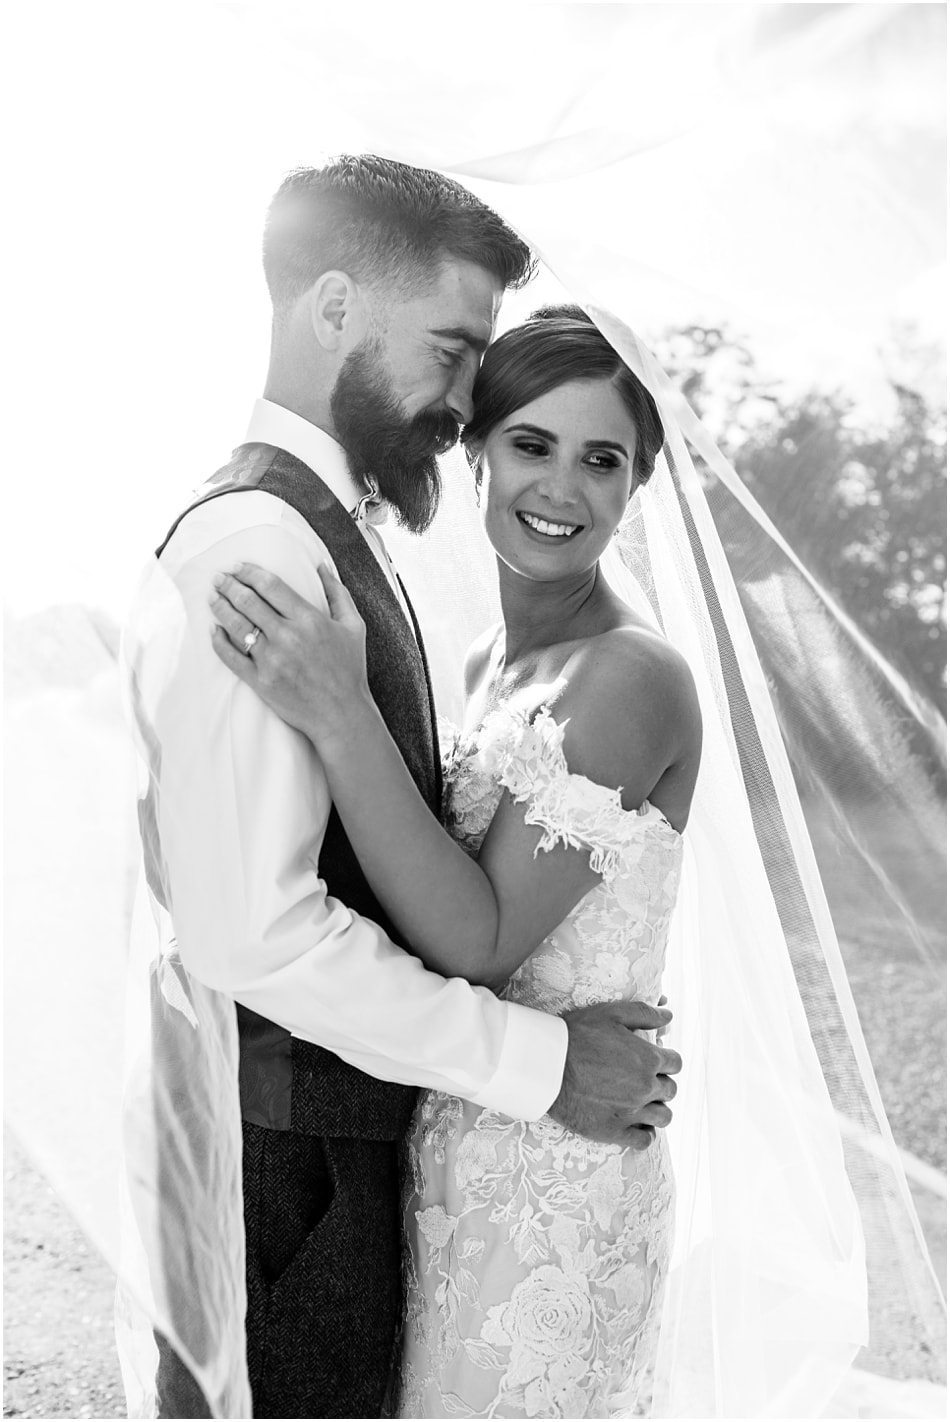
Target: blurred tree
864, 508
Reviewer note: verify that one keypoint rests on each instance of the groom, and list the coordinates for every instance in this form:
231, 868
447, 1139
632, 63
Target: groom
386, 282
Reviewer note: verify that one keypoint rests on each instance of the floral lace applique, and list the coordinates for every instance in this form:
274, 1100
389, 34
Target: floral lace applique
525, 756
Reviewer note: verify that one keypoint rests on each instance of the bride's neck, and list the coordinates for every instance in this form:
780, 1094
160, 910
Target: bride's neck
539, 614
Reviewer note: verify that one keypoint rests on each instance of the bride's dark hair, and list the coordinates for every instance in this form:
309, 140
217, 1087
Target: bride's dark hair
555, 345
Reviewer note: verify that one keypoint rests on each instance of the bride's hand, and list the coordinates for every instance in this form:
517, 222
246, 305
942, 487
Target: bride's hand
307, 665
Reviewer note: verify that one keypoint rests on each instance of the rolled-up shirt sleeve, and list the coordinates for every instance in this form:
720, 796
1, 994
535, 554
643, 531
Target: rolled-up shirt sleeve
243, 806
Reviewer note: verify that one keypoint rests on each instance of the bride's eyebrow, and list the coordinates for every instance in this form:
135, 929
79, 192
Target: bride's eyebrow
550, 435
533, 429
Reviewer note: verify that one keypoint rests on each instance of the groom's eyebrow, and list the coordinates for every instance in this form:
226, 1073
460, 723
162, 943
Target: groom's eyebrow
479, 344
588, 443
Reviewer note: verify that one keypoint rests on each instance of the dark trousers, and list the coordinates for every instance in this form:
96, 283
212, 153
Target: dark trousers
324, 1297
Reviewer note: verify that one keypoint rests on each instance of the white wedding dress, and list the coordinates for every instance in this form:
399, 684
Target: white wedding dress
536, 1259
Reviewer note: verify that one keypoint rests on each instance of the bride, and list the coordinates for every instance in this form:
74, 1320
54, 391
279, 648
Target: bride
536, 1259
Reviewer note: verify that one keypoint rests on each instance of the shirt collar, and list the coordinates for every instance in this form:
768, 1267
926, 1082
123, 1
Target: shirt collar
275, 425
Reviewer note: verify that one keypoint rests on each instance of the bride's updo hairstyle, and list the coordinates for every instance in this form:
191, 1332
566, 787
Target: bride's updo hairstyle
557, 344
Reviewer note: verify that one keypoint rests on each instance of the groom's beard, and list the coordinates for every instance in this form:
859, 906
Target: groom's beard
399, 452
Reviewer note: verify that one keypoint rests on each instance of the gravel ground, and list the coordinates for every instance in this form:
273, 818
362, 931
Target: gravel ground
59, 1355
903, 1015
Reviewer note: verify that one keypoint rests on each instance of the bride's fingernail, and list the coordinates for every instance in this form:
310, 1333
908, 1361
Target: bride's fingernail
219, 579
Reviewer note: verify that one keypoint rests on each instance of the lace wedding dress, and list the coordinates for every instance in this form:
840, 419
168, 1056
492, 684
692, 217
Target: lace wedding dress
536, 1259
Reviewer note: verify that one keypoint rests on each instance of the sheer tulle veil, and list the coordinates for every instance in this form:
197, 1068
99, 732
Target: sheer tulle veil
797, 1243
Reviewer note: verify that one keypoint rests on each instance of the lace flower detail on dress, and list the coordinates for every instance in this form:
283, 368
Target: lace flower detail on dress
527, 758
469, 799
450, 746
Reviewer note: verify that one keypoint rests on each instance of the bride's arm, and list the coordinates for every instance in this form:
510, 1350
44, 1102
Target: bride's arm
477, 920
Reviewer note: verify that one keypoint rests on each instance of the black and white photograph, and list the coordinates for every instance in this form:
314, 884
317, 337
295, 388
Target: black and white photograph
475, 710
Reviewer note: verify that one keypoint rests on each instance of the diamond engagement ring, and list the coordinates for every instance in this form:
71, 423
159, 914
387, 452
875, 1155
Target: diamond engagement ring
250, 640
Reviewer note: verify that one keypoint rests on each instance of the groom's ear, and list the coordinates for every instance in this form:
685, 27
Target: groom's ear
336, 310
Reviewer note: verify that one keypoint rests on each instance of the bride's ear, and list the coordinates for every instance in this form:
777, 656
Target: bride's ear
337, 311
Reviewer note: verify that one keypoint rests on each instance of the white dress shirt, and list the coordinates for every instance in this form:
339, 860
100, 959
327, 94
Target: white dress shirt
243, 807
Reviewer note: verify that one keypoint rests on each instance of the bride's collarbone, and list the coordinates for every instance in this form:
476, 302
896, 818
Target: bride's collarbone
521, 698
540, 677
523, 687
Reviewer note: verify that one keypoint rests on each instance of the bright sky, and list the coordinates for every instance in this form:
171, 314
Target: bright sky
789, 179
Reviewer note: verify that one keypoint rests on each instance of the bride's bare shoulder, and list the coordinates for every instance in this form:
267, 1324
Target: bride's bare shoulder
625, 661
478, 657
631, 706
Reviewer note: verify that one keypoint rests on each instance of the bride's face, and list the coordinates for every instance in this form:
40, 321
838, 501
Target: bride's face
557, 475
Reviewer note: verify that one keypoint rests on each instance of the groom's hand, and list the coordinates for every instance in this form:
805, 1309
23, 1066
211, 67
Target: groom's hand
616, 1084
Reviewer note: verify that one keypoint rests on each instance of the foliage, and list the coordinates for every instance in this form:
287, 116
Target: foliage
865, 508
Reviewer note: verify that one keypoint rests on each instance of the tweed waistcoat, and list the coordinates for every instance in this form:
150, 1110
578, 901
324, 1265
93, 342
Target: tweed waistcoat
288, 1084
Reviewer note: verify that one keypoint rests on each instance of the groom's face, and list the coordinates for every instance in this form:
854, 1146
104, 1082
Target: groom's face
402, 394
434, 339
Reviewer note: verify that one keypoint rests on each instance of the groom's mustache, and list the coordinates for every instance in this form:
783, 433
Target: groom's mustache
436, 432
407, 441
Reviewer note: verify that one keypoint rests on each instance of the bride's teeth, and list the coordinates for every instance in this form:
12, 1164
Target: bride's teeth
554, 530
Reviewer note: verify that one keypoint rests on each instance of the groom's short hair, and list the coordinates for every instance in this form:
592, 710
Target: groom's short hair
383, 223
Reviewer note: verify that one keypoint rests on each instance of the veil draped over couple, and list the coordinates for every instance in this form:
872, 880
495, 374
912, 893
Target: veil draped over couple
496, 1069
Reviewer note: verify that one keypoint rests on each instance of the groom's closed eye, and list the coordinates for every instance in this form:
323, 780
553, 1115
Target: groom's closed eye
470, 340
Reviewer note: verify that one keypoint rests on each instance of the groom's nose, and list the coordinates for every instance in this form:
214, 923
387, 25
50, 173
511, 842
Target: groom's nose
458, 402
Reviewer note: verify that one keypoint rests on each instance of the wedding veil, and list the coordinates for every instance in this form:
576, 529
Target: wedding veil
787, 1175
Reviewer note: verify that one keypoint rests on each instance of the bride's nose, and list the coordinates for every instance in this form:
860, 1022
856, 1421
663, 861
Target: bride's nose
558, 482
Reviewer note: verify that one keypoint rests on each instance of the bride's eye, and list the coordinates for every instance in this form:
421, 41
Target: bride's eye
530, 446
604, 461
